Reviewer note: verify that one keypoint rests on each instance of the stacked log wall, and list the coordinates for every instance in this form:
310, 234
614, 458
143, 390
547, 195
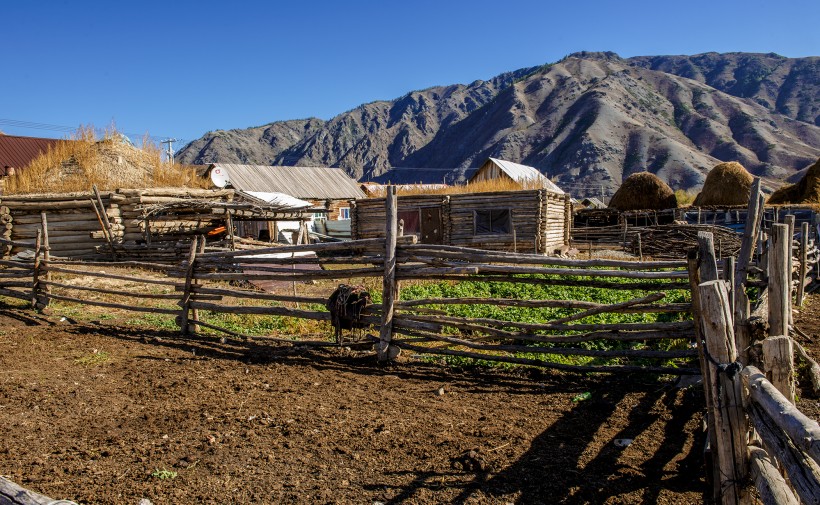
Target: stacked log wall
71, 221
75, 230
539, 219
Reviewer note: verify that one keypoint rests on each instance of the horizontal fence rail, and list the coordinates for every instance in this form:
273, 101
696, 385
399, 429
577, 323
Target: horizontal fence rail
206, 284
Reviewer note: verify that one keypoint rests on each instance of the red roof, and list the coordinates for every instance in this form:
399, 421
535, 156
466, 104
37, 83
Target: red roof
18, 152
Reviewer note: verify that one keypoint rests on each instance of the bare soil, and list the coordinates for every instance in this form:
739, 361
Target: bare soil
807, 319
112, 414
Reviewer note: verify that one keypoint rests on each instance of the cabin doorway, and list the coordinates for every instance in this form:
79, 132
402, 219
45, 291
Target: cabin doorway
431, 232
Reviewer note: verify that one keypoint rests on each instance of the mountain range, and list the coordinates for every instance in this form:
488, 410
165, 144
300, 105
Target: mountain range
586, 121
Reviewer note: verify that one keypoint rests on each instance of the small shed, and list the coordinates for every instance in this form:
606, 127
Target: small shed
325, 187
524, 221
284, 219
527, 177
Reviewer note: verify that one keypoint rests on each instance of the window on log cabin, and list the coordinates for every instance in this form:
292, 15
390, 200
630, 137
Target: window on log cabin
492, 222
411, 221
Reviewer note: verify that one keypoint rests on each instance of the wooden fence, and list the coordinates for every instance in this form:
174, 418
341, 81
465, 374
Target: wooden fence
755, 431
725, 326
208, 283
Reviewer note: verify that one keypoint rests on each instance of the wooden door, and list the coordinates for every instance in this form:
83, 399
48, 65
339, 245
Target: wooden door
431, 232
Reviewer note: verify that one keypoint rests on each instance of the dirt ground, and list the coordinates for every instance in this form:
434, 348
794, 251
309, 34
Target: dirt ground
112, 414
807, 319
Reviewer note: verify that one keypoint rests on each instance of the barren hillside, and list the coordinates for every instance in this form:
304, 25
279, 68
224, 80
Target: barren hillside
587, 121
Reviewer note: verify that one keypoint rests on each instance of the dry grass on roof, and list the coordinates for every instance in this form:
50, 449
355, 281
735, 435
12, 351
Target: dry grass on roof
487, 186
110, 163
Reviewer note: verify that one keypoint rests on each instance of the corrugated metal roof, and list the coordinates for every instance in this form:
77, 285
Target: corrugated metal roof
316, 183
18, 152
522, 173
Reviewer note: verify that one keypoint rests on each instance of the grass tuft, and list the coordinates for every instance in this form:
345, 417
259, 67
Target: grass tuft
110, 162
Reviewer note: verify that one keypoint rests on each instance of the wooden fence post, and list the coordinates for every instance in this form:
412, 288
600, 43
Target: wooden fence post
804, 258
640, 249
727, 390
693, 263
729, 277
708, 261
194, 282
747, 249
779, 287
46, 257
788, 220
35, 285
185, 303
778, 364
389, 287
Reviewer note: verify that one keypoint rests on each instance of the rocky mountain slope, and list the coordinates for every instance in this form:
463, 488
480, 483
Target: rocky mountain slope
587, 122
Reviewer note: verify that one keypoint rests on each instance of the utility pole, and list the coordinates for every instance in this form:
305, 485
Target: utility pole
169, 151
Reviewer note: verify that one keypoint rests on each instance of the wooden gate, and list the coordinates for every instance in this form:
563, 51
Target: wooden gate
431, 232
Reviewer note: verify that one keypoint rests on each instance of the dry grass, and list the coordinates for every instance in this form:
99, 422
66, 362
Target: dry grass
76, 164
490, 186
806, 191
684, 198
643, 191
726, 184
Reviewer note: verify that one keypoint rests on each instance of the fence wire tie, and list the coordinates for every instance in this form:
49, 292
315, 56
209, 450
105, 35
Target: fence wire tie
730, 369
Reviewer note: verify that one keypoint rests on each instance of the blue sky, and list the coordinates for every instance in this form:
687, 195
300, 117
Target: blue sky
182, 68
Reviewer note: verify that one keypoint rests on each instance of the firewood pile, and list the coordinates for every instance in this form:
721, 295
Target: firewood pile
672, 241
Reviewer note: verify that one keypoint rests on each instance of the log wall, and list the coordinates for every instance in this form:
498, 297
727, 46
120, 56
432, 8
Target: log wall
76, 230
540, 219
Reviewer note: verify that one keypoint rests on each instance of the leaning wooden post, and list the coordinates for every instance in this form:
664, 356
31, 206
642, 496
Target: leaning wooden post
747, 248
770, 484
727, 390
185, 303
106, 223
390, 289
804, 258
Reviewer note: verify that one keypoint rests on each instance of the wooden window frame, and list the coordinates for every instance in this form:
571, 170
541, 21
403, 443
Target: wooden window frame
509, 231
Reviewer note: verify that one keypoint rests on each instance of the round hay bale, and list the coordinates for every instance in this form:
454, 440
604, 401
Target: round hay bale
807, 189
726, 184
643, 191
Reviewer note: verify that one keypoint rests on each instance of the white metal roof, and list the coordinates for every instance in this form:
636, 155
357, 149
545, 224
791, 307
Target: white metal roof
522, 173
317, 183
279, 200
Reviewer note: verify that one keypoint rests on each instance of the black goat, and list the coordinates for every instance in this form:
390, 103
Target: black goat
346, 305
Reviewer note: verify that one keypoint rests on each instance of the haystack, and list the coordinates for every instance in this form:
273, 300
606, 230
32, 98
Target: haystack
727, 184
807, 190
643, 191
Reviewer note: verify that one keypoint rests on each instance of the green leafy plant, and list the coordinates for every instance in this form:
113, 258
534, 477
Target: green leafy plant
95, 358
164, 474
